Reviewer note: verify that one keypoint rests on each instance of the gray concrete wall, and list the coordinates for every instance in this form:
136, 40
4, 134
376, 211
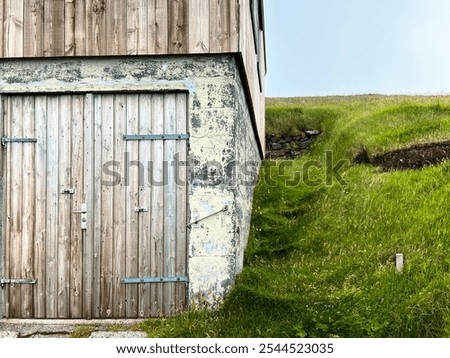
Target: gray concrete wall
223, 151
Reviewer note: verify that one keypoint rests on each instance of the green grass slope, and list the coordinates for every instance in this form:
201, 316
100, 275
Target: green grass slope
321, 256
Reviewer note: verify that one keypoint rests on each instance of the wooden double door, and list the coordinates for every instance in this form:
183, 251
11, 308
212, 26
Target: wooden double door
94, 205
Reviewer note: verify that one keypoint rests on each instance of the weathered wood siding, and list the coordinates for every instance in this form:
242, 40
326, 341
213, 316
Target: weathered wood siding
53, 28
254, 62
80, 146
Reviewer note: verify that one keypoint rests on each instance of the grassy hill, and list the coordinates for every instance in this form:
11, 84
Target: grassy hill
321, 257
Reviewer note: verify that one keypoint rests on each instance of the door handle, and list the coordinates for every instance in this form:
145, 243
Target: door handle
83, 212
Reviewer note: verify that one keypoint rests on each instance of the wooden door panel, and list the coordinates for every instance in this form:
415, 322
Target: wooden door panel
135, 226
41, 239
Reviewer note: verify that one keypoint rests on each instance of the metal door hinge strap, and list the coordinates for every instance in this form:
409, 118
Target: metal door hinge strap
225, 209
17, 140
16, 281
184, 136
136, 280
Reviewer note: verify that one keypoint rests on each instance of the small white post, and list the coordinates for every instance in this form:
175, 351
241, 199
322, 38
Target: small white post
399, 262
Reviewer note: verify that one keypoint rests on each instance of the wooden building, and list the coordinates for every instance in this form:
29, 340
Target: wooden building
131, 137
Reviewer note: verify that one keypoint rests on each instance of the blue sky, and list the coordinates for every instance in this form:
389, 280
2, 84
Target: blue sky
329, 47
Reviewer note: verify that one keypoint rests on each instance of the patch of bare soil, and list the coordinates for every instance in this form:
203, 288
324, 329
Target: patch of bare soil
414, 157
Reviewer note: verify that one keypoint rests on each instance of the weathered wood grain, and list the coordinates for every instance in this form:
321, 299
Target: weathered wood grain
219, 26
119, 258
97, 205
132, 201
157, 208
89, 172
14, 28
80, 27
2, 206
144, 202
96, 36
52, 230
64, 206
28, 215
132, 27
161, 27
16, 214
7, 200
69, 27
40, 237
116, 28
53, 28
2, 28
199, 26
151, 26
170, 204
178, 26
77, 184
143, 27
106, 208
181, 206
34, 28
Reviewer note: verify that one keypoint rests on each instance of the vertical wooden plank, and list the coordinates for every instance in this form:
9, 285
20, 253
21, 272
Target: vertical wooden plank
145, 122
54, 28
88, 246
2, 28
34, 28
77, 181
178, 26
2, 201
96, 36
170, 203
52, 229
64, 205
161, 27
132, 27
97, 196
198, 26
120, 126
7, 200
107, 208
219, 25
132, 174
14, 29
234, 25
116, 27
41, 207
143, 27
181, 207
16, 213
80, 28
28, 201
69, 28
157, 210
151, 18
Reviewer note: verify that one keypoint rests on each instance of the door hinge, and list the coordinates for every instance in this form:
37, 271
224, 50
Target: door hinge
17, 281
136, 280
17, 140
183, 136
